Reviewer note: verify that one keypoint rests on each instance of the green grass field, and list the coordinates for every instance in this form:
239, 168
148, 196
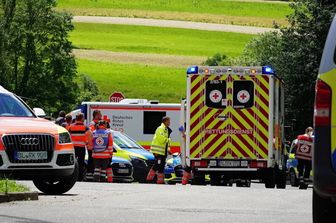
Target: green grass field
136, 80
217, 11
142, 39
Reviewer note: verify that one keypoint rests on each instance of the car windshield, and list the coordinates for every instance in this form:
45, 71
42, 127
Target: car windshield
10, 106
124, 141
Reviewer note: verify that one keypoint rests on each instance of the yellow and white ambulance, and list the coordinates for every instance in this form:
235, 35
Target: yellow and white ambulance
234, 125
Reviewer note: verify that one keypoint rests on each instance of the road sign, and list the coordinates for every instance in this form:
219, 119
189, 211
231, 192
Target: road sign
116, 97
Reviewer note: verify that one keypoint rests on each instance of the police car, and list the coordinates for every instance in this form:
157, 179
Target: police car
324, 158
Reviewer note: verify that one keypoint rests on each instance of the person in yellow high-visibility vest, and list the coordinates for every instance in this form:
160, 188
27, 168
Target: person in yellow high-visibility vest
160, 149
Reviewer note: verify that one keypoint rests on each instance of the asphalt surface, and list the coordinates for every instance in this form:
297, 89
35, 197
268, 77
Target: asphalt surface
172, 24
94, 202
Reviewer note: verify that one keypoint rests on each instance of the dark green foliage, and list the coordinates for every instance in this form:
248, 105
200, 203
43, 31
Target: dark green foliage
35, 53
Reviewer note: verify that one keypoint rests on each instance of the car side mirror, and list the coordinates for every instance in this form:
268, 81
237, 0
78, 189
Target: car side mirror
39, 112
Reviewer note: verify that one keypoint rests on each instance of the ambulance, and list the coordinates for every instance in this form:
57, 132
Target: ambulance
138, 118
234, 125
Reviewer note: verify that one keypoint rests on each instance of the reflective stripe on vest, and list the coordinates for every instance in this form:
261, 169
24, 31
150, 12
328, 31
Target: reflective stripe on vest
158, 150
78, 134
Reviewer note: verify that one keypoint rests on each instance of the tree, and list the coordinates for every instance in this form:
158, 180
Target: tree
35, 53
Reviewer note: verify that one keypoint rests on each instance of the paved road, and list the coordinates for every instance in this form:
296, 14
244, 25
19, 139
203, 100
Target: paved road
172, 24
92, 202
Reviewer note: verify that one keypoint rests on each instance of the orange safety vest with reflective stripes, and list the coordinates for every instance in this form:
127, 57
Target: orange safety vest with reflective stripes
80, 135
106, 154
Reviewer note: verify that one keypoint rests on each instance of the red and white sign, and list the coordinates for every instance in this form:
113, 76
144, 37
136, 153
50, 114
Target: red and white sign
116, 97
215, 96
243, 96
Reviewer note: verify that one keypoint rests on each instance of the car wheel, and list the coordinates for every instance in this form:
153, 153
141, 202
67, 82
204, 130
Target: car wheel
294, 181
324, 210
51, 187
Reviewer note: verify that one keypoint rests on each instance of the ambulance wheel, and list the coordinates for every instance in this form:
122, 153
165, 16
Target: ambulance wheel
269, 179
199, 179
324, 210
294, 181
52, 187
281, 181
215, 179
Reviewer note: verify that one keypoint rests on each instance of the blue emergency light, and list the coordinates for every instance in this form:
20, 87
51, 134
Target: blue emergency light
192, 70
267, 70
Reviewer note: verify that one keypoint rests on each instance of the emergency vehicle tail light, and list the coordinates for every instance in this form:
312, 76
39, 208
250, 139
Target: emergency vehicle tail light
199, 163
322, 104
267, 70
192, 70
258, 164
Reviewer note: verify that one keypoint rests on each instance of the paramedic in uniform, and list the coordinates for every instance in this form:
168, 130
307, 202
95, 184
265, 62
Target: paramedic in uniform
81, 138
102, 152
303, 154
160, 148
97, 116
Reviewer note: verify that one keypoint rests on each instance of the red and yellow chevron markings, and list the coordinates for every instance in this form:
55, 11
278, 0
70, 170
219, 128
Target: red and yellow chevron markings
229, 142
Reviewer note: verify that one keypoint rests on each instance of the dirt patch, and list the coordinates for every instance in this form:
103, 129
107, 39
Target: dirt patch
139, 58
183, 16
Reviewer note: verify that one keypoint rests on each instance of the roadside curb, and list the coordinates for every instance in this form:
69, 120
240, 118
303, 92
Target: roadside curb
22, 196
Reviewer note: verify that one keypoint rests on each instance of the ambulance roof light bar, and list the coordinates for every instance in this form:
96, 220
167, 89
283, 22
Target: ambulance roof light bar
192, 70
233, 70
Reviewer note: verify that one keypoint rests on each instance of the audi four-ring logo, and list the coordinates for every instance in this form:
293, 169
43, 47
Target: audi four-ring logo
29, 141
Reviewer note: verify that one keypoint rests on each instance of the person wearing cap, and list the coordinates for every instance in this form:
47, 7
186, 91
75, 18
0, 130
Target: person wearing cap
102, 151
160, 149
81, 139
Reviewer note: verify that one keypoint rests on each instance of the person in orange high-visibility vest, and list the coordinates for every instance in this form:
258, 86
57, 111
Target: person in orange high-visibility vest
81, 139
102, 151
97, 116
303, 154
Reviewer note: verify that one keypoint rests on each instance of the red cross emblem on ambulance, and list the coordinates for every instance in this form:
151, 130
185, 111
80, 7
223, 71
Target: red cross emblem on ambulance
243, 96
215, 96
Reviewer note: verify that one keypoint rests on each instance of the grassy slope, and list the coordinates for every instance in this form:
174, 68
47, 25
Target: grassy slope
218, 11
141, 39
136, 80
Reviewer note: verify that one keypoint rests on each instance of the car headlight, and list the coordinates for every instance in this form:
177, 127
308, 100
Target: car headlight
64, 137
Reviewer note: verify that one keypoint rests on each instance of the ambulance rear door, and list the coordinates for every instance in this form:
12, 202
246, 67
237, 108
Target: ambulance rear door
228, 114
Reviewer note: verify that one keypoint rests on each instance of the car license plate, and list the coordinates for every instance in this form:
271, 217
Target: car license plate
123, 171
229, 163
41, 155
